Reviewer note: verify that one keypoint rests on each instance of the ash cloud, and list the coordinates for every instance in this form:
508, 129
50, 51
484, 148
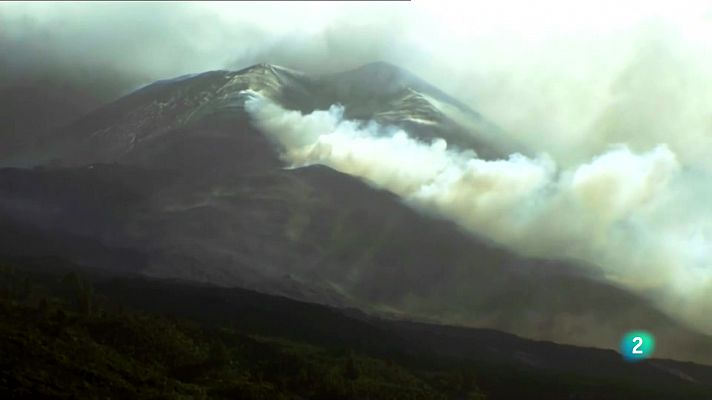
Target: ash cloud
113, 48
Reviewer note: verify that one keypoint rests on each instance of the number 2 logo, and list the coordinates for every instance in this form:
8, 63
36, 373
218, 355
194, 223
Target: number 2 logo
637, 345
636, 348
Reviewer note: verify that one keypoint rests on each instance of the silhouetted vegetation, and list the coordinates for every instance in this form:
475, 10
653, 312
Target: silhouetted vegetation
62, 336
63, 345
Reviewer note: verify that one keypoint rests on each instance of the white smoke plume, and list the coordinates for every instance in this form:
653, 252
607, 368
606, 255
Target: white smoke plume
627, 212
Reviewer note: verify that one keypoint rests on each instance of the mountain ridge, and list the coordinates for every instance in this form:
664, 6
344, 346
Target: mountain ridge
210, 201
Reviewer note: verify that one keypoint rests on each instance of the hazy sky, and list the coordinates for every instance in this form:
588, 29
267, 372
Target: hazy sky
555, 67
614, 98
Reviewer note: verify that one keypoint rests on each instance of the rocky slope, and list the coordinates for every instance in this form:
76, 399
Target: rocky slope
173, 181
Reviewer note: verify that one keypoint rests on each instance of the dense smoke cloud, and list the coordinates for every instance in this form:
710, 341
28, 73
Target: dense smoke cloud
612, 211
612, 100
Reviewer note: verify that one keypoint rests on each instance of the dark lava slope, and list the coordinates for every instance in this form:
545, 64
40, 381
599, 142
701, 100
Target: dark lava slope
173, 181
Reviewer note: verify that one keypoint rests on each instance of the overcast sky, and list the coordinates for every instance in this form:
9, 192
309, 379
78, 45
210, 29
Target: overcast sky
549, 66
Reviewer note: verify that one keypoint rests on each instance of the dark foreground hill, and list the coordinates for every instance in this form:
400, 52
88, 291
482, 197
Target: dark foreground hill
66, 334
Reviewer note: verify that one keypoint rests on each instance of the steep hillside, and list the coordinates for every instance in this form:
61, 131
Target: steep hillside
174, 181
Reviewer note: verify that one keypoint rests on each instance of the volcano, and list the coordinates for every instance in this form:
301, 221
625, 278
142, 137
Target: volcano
174, 181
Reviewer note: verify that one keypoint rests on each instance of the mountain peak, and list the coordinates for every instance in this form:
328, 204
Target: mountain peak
267, 67
257, 67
